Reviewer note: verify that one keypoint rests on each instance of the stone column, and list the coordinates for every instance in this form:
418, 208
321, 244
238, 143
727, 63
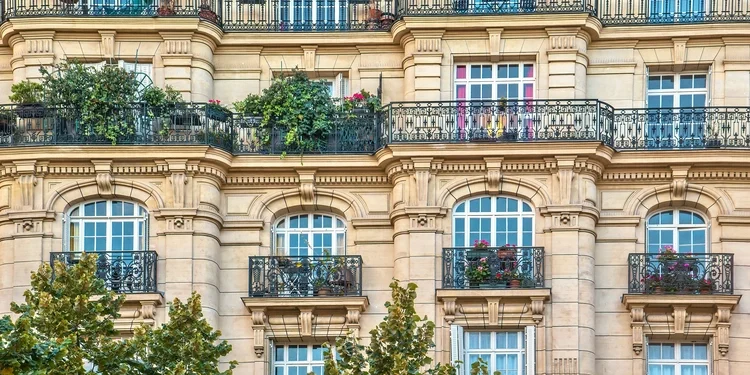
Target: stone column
177, 57
423, 52
566, 52
31, 50
571, 262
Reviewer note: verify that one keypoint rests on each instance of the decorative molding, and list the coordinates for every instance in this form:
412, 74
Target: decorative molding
449, 309
307, 186
309, 57
637, 176
537, 309
306, 321
679, 181
494, 168
263, 180
178, 180
180, 224
177, 47
565, 220
493, 307
562, 42
638, 320
429, 45
108, 43
351, 180
422, 177
104, 180
565, 366
495, 41
258, 316
679, 51
27, 182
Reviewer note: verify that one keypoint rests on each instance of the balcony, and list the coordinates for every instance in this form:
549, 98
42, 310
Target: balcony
681, 128
625, 13
127, 272
686, 274
490, 7
493, 268
305, 276
498, 121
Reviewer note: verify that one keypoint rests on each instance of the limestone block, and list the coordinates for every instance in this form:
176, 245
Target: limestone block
374, 278
561, 337
564, 313
230, 303
612, 276
564, 266
564, 290
206, 272
234, 280
179, 271
614, 324
614, 366
210, 195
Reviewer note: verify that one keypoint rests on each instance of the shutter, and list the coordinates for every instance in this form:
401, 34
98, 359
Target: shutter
645, 355
457, 346
709, 86
340, 86
645, 86
66, 232
146, 232
530, 336
710, 355
271, 357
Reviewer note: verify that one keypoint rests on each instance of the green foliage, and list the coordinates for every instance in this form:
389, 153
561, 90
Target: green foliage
300, 108
102, 96
160, 101
65, 321
26, 92
480, 368
184, 345
399, 344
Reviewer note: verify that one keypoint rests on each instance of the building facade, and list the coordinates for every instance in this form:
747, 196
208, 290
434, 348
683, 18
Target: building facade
599, 148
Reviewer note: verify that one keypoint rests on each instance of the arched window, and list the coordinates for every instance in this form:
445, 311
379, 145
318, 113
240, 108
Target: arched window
107, 225
497, 220
310, 234
685, 231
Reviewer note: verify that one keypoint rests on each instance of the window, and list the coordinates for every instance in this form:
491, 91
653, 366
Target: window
494, 81
310, 234
676, 109
665, 10
107, 226
677, 359
497, 220
685, 231
510, 352
312, 14
338, 87
298, 359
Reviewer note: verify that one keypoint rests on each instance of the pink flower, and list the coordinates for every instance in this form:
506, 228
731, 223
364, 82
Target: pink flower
480, 268
358, 96
483, 259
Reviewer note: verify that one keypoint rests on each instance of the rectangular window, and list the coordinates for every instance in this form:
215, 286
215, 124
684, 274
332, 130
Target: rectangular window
678, 359
510, 352
511, 81
676, 114
297, 359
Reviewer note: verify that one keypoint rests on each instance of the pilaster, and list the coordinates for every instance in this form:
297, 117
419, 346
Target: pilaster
36, 51
177, 57
566, 54
427, 56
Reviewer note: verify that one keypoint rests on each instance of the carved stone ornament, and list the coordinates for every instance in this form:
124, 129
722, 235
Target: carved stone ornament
104, 183
259, 330
179, 180
27, 183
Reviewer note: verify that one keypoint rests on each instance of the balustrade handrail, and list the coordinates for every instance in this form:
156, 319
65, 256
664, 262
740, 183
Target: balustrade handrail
126, 272
493, 267
692, 273
305, 276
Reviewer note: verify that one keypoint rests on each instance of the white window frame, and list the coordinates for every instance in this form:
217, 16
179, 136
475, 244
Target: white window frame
676, 227
339, 86
677, 90
312, 23
459, 352
285, 364
493, 215
139, 220
495, 80
338, 229
679, 362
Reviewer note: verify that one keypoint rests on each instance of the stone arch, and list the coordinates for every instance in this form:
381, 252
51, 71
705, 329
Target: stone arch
708, 200
68, 195
462, 189
283, 203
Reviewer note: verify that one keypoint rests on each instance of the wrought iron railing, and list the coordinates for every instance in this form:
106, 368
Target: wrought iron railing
488, 7
506, 120
209, 10
621, 12
28, 125
305, 276
493, 268
121, 271
308, 15
681, 128
350, 133
680, 273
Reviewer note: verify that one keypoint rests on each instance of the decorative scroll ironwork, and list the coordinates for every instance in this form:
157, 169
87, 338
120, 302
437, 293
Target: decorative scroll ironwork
498, 121
617, 12
209, 10
681, 274
122, 271
493, 268
305, 276
351, 133
681, 128
483, 7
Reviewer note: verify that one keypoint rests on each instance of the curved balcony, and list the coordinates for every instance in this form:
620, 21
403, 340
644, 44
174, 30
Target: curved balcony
680, 273
127, 272
305, 276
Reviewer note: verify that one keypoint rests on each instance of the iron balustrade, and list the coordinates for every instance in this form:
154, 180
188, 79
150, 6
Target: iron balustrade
505, 120
681, 128
660, 273
492, 7
493, 267
122, 271
351, 133
308, 15
194, 123
629, 12
305, 276
209, 10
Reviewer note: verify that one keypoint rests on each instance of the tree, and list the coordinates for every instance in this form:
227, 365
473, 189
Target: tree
65, 325
183, 346
399, 345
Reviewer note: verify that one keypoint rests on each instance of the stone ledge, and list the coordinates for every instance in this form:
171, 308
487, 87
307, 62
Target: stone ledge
494, 293
498, 307
291, 303
690, 300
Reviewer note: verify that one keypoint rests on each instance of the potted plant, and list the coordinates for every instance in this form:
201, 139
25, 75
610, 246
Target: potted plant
514, 278
362, 102
206, 13
481, 244
28, 97
216, 111
507, 251
654, 284
706, 286
478, 272
166, 9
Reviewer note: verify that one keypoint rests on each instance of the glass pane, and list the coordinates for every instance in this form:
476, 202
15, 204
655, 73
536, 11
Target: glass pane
686, 81
461, 207
281, 224
129, 209
686, 351
528, 70
317, 221
654, 351
74, 212
667, 82
699, 81
317, 353
686, 217
667, 351
101, 208
513, 71
461, 72
474, 205
654, 83
502, 71
479, 340
89, 209
654, 369
700, 351
116, 208
280, 353
486, 71
476, 71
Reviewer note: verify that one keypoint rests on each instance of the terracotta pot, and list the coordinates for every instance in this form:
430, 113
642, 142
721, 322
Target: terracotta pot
323, 292
658, 290
515, 283
705, 290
